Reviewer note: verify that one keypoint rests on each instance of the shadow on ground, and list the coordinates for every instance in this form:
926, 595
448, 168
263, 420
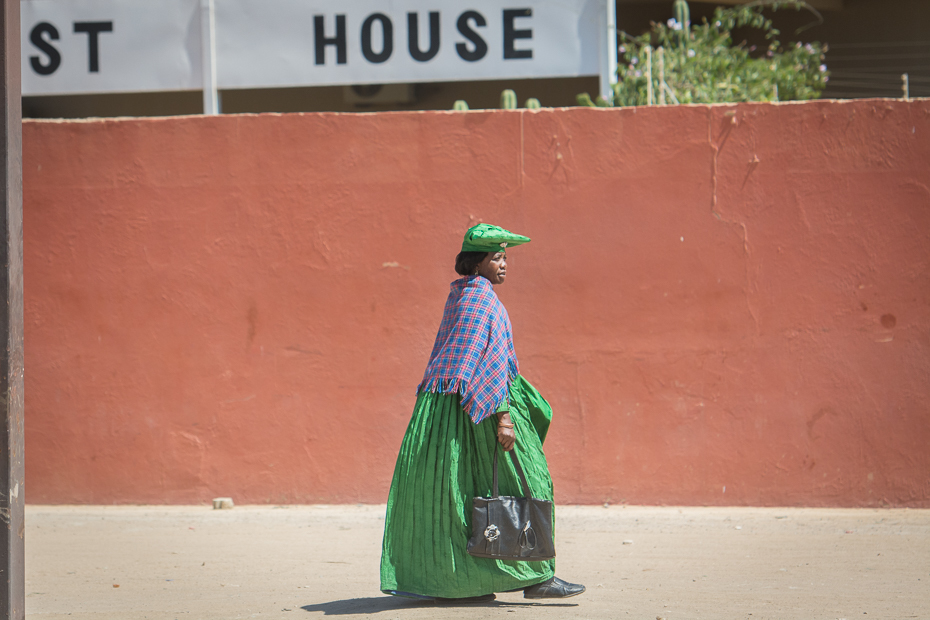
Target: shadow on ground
377, 604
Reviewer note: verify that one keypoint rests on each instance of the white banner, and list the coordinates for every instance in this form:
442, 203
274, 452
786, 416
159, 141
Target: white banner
97, 46
301, 42
100, 46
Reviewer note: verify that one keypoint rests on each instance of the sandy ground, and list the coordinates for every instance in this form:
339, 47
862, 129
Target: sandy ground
294, 562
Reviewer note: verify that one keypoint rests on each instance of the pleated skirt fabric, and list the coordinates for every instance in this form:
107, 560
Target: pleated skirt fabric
445, 461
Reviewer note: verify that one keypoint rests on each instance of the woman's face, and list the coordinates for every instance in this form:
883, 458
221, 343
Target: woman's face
494, 267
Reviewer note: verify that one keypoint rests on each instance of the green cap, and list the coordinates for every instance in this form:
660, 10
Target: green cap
490, 238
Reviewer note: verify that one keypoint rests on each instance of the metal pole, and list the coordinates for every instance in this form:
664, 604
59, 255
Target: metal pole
211, 99
610, 78
12, 481
650, 97
906, 86
661, 52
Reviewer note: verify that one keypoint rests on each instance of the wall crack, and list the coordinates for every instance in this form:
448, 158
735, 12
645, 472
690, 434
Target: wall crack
716, 148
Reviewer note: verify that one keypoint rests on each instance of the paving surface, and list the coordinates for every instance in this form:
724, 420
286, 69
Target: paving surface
307, 562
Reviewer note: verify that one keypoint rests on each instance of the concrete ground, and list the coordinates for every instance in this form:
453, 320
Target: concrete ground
296, 562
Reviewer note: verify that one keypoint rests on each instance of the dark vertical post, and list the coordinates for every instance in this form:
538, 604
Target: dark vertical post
12, 491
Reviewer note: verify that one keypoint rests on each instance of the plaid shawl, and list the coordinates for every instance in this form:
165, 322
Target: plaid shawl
473, 355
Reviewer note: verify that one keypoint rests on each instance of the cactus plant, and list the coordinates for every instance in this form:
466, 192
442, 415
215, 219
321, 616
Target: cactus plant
683, 19
584, 99
508, 100
682, 16
460, 105
533, 104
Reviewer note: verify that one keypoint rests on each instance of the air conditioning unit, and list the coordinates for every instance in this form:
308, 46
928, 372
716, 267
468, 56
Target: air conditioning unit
364, 94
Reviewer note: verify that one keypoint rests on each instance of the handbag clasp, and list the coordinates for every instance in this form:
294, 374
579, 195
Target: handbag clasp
528, 536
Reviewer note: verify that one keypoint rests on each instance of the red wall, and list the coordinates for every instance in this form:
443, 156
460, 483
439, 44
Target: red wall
724, 305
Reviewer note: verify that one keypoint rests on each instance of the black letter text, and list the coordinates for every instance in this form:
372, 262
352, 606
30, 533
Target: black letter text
481, 48
319, 37
413, 36
510, 34
93, 30
387, 46
54, 58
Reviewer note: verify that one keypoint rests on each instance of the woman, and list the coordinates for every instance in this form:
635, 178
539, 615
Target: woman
472, 398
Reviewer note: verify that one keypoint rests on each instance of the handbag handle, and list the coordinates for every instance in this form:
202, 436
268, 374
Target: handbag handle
516, 463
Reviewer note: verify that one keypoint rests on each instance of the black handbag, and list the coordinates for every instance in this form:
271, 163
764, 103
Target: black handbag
511, 528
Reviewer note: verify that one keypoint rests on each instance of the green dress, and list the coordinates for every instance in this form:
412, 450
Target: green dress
445, 461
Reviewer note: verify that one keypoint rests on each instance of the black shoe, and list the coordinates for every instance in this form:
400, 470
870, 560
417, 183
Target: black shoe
468, 600
554, 588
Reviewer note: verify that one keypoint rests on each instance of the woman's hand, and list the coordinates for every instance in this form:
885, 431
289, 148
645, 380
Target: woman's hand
506, 436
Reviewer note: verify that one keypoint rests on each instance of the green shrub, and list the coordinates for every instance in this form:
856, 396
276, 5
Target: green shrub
702, 65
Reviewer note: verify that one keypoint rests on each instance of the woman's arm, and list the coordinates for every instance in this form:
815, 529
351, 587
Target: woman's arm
505, 433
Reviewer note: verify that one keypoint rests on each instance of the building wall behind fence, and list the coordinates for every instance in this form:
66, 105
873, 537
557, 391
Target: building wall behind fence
725, 305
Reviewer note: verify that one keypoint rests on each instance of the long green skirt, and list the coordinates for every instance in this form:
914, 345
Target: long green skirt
445, 460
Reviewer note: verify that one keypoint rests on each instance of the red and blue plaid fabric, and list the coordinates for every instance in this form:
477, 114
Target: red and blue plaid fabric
473, 355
